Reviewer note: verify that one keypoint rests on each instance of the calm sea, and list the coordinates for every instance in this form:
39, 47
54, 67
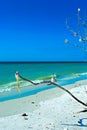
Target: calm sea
66, 73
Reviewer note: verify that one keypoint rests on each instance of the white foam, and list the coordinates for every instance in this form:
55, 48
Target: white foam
83, 73
23, 84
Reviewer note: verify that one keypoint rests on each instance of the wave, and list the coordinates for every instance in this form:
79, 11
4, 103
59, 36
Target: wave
62, 80
10, 90
68, 76
7, 87
83, 73
13, 85
5, 90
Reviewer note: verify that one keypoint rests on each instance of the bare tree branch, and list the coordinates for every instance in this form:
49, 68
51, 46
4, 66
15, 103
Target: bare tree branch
55, 84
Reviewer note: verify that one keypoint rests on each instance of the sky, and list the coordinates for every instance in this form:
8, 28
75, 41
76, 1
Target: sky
35, 30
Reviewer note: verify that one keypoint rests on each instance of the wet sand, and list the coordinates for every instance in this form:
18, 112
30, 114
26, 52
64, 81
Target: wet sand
52, 109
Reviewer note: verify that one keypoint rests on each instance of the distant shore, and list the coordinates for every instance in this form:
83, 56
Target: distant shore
48, 109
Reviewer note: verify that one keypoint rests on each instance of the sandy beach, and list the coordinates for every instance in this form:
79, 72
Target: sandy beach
52, 109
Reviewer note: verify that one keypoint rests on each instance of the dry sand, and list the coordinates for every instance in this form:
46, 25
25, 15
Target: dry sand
48, 110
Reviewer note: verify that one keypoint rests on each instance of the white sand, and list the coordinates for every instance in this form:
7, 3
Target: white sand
48, 110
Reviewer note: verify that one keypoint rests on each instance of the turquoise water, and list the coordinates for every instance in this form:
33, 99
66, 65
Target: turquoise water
67, 73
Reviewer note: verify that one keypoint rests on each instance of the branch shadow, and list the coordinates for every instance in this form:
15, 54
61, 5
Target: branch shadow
80, 125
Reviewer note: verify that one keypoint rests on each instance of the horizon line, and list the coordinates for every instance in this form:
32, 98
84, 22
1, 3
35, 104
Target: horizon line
43, 61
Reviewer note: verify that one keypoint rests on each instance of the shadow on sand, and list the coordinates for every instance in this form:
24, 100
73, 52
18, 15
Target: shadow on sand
81, 123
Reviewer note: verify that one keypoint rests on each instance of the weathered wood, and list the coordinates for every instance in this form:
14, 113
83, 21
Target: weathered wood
55, 84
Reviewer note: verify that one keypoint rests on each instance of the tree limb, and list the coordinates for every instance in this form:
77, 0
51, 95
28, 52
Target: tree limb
55, 84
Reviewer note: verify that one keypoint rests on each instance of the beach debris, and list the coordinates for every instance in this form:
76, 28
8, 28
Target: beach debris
32, 102
74, 116
24, 114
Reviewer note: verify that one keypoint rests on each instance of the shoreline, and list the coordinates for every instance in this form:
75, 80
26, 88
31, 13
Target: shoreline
51, 109
12, 92
34, 100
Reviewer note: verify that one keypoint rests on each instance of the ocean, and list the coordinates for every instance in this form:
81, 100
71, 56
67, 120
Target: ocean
66, 73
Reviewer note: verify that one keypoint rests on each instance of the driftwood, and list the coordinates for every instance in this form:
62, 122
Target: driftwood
70, 94
55, 84
48, 82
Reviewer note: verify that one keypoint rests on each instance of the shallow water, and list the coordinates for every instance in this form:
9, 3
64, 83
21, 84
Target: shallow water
67, 73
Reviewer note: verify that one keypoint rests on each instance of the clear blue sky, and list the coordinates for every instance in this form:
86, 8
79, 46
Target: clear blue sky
34, 30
